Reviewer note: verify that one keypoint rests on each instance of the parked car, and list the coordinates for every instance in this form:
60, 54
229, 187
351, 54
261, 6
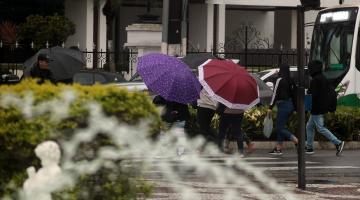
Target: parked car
9, 78
269, 76
264, 90
90, 77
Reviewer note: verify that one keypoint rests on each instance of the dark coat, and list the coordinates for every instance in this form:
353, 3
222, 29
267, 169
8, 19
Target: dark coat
319, 87
173, 111
41, 74
282, 88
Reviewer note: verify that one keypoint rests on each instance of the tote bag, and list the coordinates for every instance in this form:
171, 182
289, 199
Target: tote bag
268, 125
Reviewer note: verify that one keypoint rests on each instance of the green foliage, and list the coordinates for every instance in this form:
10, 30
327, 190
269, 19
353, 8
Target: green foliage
115, 185
344, 123
53, 29
20, 135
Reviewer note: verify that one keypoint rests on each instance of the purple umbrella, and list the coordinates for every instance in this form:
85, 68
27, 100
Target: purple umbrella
169, 77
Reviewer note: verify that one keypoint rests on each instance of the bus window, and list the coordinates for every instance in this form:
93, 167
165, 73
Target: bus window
357, 63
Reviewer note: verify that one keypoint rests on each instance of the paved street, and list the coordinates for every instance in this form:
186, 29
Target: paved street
328, 176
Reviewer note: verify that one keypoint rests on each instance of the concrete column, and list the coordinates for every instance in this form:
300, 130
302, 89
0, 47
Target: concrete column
221, 27
293, 29
209, 27
165, 22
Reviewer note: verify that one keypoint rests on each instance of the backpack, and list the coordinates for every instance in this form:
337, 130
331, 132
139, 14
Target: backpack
332, 99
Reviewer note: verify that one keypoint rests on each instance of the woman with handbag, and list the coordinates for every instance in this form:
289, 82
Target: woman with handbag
282, 98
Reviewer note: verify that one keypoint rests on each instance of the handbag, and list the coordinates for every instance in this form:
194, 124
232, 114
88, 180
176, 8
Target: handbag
268, 125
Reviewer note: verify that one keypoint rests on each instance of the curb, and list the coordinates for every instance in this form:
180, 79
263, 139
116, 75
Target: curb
268, 145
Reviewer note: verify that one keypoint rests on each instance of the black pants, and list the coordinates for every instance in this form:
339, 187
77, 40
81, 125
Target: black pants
233, 121
204, 117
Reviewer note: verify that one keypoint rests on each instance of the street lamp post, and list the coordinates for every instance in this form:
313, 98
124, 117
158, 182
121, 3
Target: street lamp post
301, 96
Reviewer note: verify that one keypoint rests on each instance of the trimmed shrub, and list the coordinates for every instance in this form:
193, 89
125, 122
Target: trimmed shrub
344, 123
19, 133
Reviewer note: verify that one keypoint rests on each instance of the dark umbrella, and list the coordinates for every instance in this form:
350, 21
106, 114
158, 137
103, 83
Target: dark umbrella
63, 62
265, 92
169, 77
194, 60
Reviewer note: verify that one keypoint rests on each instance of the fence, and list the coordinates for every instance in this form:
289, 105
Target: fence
260, 59
13, 56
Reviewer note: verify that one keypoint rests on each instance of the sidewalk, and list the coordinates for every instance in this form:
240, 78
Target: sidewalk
268, 145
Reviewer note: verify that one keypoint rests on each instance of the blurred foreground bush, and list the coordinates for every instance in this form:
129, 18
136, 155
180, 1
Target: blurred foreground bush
19, 133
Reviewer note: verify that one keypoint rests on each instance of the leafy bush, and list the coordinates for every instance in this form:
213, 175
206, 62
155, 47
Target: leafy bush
344, 123
19, 133
53, 29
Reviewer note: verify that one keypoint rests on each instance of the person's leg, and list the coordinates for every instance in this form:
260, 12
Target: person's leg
319, 123
250, 145
236, 123
204, 117
224, 123
285, 109
179, 131
310, 131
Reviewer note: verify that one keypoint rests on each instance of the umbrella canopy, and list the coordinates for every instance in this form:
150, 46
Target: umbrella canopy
194, 60
169, 77
63, 62
229, 84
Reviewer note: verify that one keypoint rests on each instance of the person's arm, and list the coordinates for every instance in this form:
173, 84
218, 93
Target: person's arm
275, 94
220, 108
159, 100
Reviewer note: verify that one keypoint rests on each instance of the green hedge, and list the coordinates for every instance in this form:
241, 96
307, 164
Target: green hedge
344, 123
19, 135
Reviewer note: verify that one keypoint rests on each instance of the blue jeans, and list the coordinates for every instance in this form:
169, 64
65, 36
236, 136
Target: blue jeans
318, 122
285, 109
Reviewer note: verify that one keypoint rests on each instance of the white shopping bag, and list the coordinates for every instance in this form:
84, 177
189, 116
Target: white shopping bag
268, 125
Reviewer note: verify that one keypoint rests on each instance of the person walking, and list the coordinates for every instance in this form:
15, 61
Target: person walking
319, 91
175, 115
206, 107
230, 118
41, 69
282, 97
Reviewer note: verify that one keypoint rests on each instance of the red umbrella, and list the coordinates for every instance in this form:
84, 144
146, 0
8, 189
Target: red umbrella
229, 84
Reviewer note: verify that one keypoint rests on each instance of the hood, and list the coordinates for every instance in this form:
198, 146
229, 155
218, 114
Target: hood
315, 67
284, 71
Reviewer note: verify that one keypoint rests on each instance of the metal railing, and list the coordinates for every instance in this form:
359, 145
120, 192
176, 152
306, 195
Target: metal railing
260, 59
12, 57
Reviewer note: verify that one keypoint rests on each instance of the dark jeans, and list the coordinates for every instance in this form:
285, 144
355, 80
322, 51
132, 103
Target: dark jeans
285, 109
204, 117
234, 121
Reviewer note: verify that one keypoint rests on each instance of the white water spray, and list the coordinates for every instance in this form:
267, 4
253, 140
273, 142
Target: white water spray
234, 178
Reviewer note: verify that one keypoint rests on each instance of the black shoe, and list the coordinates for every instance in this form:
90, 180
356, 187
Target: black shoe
309, 151
275, 152
339, 148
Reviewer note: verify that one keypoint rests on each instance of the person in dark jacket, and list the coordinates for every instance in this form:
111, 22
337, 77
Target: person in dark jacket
282, 97
175, 115
41, 69
319, 87
230, 119
174, 111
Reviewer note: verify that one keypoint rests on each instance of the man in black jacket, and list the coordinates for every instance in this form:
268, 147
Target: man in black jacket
41, 69
319, 90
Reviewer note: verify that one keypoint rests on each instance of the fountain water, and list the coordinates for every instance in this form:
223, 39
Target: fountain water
132, 146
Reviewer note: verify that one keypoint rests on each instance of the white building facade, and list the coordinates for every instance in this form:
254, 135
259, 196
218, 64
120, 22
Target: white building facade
211, 23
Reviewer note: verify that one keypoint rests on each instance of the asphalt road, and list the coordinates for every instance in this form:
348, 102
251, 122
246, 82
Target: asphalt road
328, 176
